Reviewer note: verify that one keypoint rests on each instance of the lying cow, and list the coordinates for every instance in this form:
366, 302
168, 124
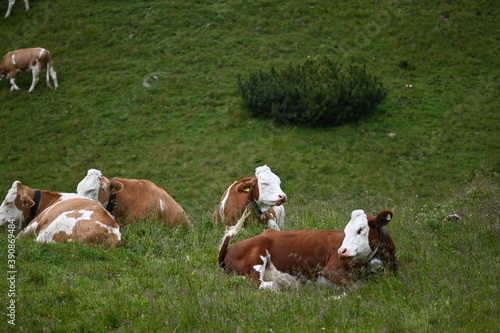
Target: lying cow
58, 217
132, 200
335, 255
262, 192
11, 4
28, 60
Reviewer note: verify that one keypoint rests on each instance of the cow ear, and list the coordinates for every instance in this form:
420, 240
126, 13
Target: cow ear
115, 186
383, 218
26, 201
246, 186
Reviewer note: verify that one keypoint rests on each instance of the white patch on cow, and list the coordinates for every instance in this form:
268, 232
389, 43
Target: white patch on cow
270, 193
222, 205
8, 209
63, 223
162, 206
115, 231
89, 186
356, 245
30, 229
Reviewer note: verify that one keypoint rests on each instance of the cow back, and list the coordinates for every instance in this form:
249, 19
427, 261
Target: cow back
75, 219
142, 199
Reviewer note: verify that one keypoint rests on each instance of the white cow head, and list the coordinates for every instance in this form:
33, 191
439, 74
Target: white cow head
269, 192
16, 205
362, 231
97, 187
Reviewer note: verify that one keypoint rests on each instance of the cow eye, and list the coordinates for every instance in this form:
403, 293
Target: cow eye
360, 230
265, 184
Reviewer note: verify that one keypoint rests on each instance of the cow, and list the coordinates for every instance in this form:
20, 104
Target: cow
130, 200
11, 4
28, 60
339, 256
262, 192
58, 217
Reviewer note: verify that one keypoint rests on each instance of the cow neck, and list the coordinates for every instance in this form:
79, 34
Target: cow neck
255, 206
34, 208
111, 202
382, 241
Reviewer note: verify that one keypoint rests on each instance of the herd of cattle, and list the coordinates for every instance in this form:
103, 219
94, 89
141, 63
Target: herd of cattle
274, 260
95, 213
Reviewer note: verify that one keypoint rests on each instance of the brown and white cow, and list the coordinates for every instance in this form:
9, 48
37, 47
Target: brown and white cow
58, 217
11, 4
337, 255
261, 192
132, 199
28, 60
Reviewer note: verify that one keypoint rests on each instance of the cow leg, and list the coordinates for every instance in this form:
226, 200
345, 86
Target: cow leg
26, 4
11, 3
13, 85
53, 74
36, 73
271, 224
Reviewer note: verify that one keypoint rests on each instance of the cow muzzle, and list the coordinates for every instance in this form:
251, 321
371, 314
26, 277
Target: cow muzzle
343, 255
281, 200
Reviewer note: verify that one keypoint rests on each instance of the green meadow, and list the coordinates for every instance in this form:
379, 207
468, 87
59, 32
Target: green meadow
148, 90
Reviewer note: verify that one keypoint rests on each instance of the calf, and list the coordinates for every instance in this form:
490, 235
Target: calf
58, 217
335, 255
262, 192
132, 200
11, 4
26, 60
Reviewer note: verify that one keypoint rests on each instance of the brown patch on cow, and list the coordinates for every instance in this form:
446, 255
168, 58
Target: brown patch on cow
139, 199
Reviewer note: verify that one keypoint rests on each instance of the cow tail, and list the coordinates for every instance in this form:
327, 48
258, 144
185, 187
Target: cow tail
230, 233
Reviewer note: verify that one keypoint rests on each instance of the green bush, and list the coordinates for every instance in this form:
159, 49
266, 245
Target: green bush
316, 93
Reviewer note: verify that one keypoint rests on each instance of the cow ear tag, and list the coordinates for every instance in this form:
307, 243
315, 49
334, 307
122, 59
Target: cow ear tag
247, 189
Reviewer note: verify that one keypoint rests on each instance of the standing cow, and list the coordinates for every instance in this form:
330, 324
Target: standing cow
58, 217
262, 193
28, 60
131, 200
11, 4
274, 259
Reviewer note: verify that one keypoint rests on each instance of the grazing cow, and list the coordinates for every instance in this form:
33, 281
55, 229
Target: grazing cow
58, 217
262, 192
131, 199
338, 256
11, 4
26, 60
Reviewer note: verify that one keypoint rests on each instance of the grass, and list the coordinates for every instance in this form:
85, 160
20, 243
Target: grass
189, 133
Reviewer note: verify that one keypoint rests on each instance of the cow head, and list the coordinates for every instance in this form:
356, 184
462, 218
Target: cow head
265, 188
361, 233
16, 206
97, 187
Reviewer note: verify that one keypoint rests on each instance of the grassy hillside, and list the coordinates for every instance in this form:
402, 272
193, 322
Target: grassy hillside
186, 130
